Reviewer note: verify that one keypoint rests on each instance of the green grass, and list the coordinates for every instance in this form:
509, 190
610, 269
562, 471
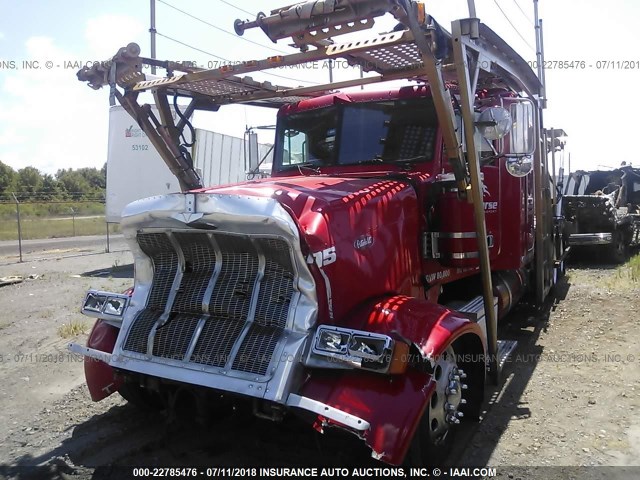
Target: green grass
634, 269
51, 209
33, 228
73, 329
626, 276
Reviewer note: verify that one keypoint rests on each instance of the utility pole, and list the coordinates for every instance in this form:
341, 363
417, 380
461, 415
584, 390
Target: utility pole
152, 32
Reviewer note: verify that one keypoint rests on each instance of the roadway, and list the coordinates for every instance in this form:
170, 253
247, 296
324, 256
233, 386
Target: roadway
9, 248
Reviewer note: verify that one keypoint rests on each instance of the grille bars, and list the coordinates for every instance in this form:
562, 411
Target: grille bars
238, 334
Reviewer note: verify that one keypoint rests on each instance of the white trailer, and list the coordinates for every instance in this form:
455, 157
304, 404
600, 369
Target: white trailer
135, 170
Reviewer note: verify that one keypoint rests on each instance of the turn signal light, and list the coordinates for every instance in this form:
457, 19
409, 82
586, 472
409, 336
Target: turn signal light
399, 359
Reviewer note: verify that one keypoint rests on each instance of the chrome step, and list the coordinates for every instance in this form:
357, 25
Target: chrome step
505, 349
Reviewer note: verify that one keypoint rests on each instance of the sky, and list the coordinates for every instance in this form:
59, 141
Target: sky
49, 120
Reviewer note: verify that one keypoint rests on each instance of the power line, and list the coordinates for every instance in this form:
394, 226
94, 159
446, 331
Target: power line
192, 47
221, 29
227, 60
523, 12
513, 26
237, 8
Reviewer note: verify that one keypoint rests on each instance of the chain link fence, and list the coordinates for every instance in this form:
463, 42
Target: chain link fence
32, 229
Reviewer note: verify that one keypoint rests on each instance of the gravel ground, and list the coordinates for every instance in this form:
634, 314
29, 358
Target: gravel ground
569, 396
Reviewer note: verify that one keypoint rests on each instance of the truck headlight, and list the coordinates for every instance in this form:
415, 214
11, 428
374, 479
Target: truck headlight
105, 305
355, 348
332, 341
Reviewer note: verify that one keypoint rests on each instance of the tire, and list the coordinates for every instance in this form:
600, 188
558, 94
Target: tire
434, 435
140, 397
618, 248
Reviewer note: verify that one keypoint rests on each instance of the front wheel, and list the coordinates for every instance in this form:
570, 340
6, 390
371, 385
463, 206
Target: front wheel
433, 438
618, 248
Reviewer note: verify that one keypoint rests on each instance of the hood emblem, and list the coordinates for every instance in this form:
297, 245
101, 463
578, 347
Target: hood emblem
365, 241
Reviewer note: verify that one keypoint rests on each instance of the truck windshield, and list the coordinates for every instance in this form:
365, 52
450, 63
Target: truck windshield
395, 131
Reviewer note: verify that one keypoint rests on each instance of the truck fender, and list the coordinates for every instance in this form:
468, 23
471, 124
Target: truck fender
393, 405
99, 375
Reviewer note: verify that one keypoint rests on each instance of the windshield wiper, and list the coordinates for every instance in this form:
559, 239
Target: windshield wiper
374, 160
379, 159
410, 159
301, 166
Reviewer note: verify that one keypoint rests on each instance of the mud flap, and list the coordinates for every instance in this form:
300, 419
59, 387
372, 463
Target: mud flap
99, 376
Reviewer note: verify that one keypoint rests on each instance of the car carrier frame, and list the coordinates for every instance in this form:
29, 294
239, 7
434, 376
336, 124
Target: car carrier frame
455, 66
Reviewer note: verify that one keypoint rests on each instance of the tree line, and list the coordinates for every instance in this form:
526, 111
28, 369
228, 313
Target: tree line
31, 185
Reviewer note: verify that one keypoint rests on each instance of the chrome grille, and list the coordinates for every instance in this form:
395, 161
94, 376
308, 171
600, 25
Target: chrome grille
140, 330
200, 262
165, 265
216, 341
173, 338
257, 349
240, 272
231, 297
276, 288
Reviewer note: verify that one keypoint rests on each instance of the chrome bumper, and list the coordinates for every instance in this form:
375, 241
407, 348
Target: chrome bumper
584, 239
293, 400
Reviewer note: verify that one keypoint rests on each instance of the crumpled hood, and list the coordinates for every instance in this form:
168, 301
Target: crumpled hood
361, 233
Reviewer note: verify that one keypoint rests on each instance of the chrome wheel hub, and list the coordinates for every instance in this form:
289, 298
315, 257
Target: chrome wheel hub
446, 398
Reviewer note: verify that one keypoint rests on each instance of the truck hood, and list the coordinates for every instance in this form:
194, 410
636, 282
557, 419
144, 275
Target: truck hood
357, 237
311, 199
361, 233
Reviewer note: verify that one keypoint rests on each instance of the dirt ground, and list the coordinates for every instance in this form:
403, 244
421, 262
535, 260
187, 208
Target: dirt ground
569, 396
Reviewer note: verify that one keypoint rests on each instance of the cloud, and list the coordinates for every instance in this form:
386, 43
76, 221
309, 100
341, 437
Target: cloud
48, 119
107, 33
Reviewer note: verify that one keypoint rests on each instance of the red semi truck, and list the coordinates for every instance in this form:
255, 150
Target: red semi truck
360, 286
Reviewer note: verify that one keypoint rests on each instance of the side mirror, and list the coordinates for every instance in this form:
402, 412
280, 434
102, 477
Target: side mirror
519, 166
522, 141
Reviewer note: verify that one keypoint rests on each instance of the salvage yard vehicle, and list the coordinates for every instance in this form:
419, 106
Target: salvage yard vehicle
601, 211
359, 287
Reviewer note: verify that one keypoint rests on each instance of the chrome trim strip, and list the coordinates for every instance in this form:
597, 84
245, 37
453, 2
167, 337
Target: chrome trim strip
248, 323
89, 352
327, 284
194, 340
462, 256
454, 234
305, 403
175, 286
216, 273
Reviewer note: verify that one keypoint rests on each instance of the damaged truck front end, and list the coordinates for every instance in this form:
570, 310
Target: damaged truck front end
355, 287
226, 304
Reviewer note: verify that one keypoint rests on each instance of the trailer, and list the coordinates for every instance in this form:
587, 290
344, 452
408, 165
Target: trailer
359, 287
135, 170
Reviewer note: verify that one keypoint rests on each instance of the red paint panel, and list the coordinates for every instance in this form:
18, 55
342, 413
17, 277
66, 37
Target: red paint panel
413, 91
100, 378
393, 405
